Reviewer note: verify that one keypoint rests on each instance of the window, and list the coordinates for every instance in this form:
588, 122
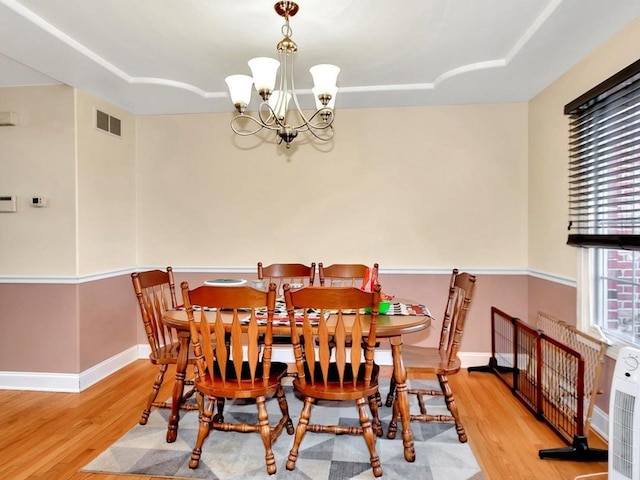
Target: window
604, 199
617, 274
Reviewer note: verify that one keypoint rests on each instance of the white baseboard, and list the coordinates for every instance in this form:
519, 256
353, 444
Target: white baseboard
74, 383
383, 356
284, 353
600, 423
109, 366
70, 382
45, 382
473, 359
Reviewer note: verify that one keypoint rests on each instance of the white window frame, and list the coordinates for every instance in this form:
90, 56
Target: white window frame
586, 294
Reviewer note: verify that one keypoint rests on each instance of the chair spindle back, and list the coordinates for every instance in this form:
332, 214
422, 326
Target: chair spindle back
347, 274
156, 294
281, 273
206, 306
461, 288
322, 313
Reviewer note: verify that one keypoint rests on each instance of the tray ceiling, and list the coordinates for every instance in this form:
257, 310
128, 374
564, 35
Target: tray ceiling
171, 56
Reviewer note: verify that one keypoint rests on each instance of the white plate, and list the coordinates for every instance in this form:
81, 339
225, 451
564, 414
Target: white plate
226, 282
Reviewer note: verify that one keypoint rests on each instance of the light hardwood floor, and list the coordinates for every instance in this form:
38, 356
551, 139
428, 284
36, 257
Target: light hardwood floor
52, 435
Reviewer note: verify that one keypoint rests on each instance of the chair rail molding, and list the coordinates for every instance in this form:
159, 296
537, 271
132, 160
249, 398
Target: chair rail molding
79, 279
552, 277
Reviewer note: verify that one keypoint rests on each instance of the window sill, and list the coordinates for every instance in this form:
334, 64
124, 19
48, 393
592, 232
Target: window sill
615, 345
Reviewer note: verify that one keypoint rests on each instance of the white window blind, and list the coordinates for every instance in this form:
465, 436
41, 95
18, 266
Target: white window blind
604, 167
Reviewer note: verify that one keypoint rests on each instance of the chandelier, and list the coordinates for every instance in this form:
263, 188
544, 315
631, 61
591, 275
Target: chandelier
274, 113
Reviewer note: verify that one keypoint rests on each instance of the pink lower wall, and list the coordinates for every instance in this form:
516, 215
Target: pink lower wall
508, 291
75, 327
49, 328
39, 328
107, 319
552, 298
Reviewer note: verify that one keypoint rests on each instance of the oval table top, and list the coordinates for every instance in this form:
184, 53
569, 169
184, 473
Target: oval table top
388, 325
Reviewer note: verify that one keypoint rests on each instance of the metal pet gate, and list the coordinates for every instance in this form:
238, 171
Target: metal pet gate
554, 370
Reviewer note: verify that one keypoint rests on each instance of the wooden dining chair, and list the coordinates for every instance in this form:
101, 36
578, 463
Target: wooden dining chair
346, 274
155, 291
440, 361
239, 369
349, 275
332, 372
292, 273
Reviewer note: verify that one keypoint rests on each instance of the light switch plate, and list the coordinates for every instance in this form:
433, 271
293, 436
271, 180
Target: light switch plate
8, 203
8, 119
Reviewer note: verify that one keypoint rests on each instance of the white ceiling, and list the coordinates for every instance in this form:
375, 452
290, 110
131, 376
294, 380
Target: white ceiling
171, 56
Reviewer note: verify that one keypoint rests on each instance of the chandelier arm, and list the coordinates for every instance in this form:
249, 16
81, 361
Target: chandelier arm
272, 121
246, 133
287, 68
325, 138
309, 125
305, 121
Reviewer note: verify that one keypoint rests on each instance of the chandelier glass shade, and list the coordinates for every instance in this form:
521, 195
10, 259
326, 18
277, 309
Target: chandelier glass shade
279, 109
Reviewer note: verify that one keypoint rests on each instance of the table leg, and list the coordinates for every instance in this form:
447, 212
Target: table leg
402, 398
178, 387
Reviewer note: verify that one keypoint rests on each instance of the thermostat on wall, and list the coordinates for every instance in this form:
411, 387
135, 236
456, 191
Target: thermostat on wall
38, 201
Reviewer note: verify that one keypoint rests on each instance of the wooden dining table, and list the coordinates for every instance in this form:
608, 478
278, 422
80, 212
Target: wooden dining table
389, 328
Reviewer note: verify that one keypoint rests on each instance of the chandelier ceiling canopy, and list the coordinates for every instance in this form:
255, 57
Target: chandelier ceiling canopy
279, 110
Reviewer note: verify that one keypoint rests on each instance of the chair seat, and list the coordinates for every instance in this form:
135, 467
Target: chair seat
169, 354
418, 359
229, 387
333, 390
165, 354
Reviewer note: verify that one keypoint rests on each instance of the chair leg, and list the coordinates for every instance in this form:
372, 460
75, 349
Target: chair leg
203, 432
301, 429
284, 408
393, 423
369, 435
392, 392
154, 394
373, 406
453, 408
265, 433
219, 416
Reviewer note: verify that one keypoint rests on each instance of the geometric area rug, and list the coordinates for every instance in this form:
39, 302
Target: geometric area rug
240, 456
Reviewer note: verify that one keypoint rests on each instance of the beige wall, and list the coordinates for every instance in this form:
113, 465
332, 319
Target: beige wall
106, 232
106, 189
87, 177
424, 187
38, 157
548, 147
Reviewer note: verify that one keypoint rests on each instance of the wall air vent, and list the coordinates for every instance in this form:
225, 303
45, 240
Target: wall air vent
108, 123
